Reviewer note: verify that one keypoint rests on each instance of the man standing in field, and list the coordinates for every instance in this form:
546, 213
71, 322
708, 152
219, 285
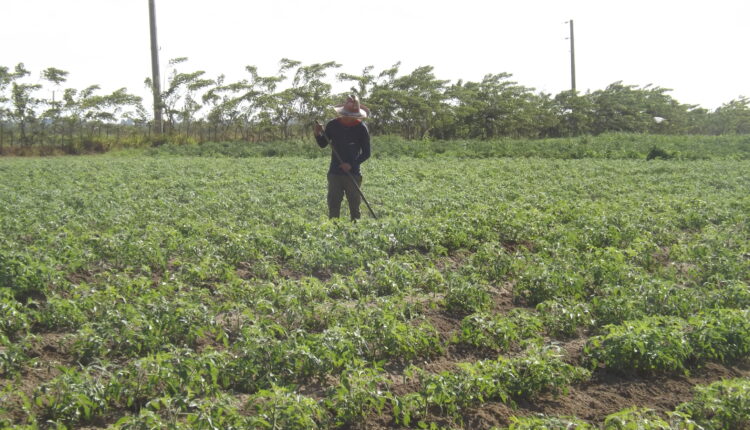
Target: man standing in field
350, 143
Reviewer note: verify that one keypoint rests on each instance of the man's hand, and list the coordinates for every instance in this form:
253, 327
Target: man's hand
346, 167
318, 129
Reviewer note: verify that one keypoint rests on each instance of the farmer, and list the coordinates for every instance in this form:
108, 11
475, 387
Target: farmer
350, 141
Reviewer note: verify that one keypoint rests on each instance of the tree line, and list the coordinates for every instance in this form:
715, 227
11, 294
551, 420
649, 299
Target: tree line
414, 105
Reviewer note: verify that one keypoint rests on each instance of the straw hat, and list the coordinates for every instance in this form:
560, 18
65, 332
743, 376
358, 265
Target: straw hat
352, 108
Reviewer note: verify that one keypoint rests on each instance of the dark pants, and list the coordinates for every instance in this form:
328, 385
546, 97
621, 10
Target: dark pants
338, 185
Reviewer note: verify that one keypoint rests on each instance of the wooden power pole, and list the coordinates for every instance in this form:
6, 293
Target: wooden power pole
155, 79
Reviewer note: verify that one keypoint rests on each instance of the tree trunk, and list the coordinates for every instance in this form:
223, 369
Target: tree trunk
22, 126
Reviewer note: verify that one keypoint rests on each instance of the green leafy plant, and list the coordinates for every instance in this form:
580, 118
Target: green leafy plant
500, 332
73, 397
636, 419
179, 373
14, 322
493, 261
721, 405
388, 337
548, 281
655, 153
203, 281
14, 356
358, 393
549, 423
464, 297
542, 370
523, 377
653, 344
281, 408
615, 305
25, 275
219, 412
722, 335
563, 318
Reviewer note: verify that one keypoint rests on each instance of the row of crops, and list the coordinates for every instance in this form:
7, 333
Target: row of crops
177, 292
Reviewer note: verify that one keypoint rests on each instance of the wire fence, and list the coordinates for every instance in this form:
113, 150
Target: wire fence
74, 137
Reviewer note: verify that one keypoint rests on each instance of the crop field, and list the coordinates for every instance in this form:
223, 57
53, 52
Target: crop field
142, 292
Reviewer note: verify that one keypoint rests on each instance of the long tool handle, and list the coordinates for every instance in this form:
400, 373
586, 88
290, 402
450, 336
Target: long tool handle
354, 181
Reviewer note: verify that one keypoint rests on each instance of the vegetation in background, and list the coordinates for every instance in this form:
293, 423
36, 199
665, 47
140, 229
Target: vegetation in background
49, 118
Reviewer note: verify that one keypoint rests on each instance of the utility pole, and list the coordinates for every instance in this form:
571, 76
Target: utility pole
155, 79
572, 59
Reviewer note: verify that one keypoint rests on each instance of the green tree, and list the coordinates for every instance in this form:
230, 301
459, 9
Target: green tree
224, 106
5, 80
412, 105
698, 120
363, 82
180, 100
496, 107
619, 107
259, 99
23, 112
731, 118
55, 104
667, 114
86, 109
575, 113
381, 102
628, 108
306, 99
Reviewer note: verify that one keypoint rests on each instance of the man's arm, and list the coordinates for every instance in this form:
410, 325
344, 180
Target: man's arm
320, 135
364, 154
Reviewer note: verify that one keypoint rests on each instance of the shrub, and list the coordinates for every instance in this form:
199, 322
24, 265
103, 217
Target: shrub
71, 398
548, 423
14, 355
403, 342
731, 295
281, 408
500, 332
653, 344
720, 405
563, 318
542, 370
655, 153
539, 370
465, 298
358, 393
26, 276
492, 261
13, 321
636, 418
549, 282
614, 305
722, 334
179, 373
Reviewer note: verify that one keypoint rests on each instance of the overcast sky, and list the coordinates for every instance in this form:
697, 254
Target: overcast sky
699, 49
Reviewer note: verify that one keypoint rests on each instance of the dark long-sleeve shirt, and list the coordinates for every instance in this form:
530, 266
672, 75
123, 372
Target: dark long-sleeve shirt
352, 143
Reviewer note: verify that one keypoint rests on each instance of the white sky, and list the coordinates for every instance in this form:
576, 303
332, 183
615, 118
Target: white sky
697, 48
